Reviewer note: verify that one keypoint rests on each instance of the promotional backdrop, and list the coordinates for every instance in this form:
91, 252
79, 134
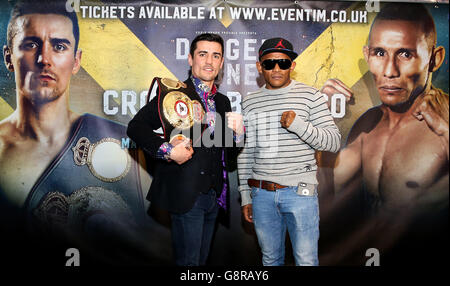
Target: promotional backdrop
125, 44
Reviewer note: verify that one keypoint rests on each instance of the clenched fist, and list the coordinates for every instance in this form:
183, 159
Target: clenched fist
426, 111
435, 115
334, 86
182, 150
287, 118
235, 122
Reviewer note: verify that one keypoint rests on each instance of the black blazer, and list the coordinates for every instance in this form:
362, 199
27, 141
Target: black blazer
176, 187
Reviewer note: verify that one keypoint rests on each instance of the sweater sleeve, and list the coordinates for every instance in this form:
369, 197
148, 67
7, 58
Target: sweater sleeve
246, 161
320, 131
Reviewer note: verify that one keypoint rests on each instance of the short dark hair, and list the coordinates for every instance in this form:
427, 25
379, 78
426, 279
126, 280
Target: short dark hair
416, 13
206, 37
25, 7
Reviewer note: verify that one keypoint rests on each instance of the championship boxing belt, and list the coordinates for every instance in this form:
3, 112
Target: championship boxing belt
91, 174
180, 112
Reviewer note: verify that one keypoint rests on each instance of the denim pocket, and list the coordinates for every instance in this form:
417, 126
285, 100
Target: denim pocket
254, 192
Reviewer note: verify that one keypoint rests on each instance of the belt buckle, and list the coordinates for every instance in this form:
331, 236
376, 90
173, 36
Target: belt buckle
274, 186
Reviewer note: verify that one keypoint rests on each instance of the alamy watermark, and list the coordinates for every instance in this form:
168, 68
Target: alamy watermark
374, 255
373, 6
73, 5
74, 257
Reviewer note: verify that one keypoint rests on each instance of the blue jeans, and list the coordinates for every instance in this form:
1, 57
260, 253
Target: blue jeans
273, 212
192, 232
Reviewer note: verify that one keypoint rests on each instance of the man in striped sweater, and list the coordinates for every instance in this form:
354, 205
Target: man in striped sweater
286, 122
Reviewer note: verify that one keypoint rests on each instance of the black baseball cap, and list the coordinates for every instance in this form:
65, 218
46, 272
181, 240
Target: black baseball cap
277, 45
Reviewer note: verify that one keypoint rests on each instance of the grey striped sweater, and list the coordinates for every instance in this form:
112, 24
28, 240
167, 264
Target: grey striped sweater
271, 152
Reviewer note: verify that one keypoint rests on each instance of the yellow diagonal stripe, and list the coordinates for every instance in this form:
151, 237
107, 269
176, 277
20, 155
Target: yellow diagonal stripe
116, 58
226, 19
336, 53
5, 109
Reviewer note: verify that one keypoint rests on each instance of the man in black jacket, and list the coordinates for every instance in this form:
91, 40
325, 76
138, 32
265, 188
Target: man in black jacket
190, 179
